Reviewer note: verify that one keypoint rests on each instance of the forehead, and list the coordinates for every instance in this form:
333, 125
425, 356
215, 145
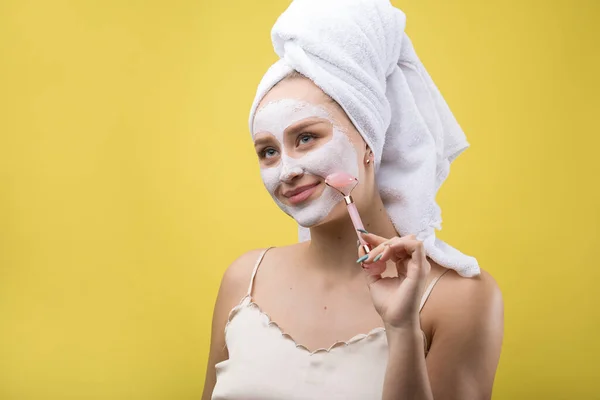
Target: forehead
290, 101
302, 89
275, 117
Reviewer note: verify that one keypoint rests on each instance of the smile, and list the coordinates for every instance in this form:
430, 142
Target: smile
300, 194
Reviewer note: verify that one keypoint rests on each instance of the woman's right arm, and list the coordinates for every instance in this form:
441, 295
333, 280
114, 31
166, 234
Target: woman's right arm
233, 288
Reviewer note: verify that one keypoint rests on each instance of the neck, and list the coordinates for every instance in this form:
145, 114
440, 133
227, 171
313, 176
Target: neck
333, 246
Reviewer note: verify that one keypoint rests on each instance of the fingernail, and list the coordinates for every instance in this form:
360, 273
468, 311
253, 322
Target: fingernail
362, 231
378, 258
363, 258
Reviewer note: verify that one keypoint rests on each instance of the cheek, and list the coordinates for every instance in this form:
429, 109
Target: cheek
270, 177
337, 155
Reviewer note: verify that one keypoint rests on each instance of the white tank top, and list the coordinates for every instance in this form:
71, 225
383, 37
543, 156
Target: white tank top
265, 363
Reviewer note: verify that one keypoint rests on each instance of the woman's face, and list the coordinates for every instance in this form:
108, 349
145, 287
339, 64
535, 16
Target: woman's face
301, 137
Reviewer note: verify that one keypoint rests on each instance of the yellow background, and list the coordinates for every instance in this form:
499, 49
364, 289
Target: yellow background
128, 184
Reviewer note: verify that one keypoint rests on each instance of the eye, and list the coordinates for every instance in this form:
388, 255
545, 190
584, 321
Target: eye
267, 152
305, 138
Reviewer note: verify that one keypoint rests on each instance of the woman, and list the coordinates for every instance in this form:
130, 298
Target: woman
305, 321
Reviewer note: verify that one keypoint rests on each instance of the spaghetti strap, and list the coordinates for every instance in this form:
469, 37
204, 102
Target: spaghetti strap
260, 258
430, 288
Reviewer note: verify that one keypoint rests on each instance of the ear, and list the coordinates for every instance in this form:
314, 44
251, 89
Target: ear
368, 155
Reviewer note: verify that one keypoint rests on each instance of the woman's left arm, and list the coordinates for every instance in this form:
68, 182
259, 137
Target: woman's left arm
467, 326
465, 349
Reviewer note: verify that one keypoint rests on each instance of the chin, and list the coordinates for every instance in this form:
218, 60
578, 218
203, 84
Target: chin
338, 213
315, 212
308, 221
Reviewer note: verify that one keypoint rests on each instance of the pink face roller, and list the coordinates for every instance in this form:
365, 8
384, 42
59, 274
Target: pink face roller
345, 183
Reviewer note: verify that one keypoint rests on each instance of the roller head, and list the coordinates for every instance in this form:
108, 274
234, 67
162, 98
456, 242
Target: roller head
342, 182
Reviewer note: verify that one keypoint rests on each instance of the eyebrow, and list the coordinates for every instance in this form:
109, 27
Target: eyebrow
262, 140
305, 124
298, 126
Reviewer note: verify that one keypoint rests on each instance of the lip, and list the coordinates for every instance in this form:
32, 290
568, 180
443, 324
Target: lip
301, 193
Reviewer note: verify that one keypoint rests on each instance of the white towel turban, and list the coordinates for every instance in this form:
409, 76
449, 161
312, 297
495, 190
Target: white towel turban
357, 52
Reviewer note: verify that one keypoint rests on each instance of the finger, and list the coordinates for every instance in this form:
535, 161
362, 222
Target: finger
372, 263
372, 278
361, 250
376, 261
372, 268
404, 247
375, 268
368, 261
371, 238
373, 272
399, 257
401, 267
397, 249
379, 254
417, 267
373, 256
408, 254
391, 249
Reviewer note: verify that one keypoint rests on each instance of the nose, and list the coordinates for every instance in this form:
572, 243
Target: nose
290, 172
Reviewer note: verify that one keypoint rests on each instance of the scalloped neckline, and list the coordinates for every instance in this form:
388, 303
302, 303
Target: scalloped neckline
248, 302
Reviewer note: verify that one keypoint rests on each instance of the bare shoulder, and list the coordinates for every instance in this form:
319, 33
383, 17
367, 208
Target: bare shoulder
467, 316
481, 290
236, 278
233, 288
458, 300
278, 256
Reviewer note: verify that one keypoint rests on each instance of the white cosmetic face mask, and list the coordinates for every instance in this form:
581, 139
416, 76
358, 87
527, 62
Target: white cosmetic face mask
337, 155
